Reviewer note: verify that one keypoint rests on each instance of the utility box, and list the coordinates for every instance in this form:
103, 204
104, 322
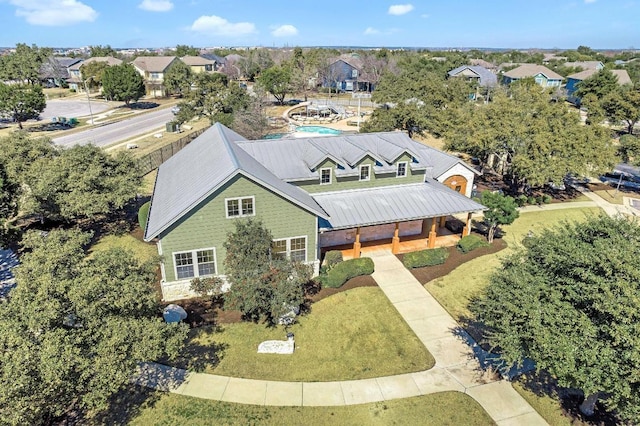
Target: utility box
172, 127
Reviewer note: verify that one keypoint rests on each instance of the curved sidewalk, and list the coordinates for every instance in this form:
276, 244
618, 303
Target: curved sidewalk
457, 367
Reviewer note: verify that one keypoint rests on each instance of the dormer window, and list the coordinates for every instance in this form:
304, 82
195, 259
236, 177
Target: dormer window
325, 176
365, 172
401, 170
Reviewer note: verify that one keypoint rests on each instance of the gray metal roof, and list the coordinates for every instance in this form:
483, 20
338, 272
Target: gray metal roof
297, 159
487, 78
203, 166
374, 206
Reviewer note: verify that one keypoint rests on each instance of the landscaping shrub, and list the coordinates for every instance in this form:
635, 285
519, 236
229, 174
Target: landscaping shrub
332, 258
471, 242
532, 200
546, 199
344, 271
429, 257
521, 200
143, 213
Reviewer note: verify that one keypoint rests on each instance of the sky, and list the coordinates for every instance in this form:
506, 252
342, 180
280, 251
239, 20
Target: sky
562, 24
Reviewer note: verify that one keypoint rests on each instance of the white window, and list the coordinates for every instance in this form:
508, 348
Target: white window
365, 172
325, 176
294, 248
401, 171
155, 76
195, 263
239, 207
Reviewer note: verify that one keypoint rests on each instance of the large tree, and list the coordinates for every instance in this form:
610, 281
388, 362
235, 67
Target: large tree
122, 83
102, 51
92, 73
501, 210
622, 106
178, 78
24, 65
569, 301
263, 287
21, 102
599, 84
277, 80
74, 328
8, 206
532, 140
184, 50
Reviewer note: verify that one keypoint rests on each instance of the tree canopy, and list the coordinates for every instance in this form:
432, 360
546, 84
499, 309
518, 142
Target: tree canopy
93, 71
502, 210
21, 102
568, 299
74, 328
122, 83
178, 78
184, 50
277, 80
102, 51
599, 84
24, 65
622, 106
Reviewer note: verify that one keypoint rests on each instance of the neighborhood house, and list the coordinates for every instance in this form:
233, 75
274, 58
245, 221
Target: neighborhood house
313, 194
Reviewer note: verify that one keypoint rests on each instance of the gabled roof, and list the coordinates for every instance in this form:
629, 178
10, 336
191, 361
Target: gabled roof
585, 65
213, 57
621, 75
110, 60
351, 60
487, 78
153, 63
483, 63
387, 204
196, 61
531, 70
201, 168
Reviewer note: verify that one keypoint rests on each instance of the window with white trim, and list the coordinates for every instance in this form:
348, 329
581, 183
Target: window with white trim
239, 207
294, 249
365, 172
401, 171
195, 263
325, 176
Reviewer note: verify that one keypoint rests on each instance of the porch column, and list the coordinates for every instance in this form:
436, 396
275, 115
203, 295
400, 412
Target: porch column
356, 244
395, 241
443, 221
467, 226
431, 243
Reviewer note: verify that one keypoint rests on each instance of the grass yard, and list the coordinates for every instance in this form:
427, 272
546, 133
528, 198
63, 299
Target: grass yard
616, 197
441, 409
355, 334
144, 251
148, 182
456, 290
548, 407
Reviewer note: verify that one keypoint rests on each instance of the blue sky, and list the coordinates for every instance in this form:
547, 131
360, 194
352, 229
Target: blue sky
434, 23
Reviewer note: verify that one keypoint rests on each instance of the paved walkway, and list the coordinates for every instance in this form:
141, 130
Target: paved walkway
456, 368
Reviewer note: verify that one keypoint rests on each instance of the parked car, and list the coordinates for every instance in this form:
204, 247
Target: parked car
293, 102
175, 110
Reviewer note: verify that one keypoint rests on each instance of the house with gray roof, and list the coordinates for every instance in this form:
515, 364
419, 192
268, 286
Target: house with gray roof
313, 194
541, 74
75, 74
585, 65
479, 77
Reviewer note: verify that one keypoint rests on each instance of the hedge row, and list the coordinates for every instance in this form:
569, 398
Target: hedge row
471, 242
429, 257
344, 271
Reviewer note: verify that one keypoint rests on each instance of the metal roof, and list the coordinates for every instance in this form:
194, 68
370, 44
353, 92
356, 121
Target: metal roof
487, 78
202, 167
375, 206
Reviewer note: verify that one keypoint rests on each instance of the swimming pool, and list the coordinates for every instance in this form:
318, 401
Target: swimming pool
318, 129
305, 132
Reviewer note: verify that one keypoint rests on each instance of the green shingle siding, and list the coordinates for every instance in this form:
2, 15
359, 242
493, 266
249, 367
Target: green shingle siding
207, 226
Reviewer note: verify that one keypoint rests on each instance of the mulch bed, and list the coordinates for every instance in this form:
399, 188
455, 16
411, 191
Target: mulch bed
455, 259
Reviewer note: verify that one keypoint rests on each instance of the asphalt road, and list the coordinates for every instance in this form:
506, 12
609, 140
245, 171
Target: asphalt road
104, 135
69, 108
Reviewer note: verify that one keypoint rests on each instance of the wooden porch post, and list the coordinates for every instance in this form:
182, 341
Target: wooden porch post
467, 226
431, 243
356, 244
443, 221
395, 241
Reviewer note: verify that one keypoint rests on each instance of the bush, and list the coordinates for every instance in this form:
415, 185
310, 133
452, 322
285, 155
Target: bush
143, 213
332, 258
532, 200
344, 271
429, 257
546, 199
471, 242
521, 200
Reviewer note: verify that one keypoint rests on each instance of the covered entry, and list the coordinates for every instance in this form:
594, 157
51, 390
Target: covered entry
404, 217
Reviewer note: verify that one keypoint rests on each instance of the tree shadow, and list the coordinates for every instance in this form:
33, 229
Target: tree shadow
196, 356
124, 406
142, 105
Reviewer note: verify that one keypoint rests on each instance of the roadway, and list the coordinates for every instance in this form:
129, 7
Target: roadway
110, 133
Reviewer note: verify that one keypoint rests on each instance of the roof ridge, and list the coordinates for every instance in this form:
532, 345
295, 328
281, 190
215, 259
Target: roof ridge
227, 145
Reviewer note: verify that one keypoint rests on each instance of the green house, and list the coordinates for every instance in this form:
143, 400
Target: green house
313, 194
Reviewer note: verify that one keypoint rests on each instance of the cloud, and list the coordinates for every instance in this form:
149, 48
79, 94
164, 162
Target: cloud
371, 31
54, 13
156, 5
400, 9
284, 31
216, 25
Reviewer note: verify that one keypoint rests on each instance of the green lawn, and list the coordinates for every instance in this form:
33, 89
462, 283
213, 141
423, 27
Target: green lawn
355, 334
144, 251
548, 407
441, 409
455, 290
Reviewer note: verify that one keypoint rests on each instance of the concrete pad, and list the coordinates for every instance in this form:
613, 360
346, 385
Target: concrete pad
361, 391
530, 419
432, 328
284, 393
420, 308
245, 391
400, 386
392, 278
449, 351
500, 400
207, 386
470, 374
322, 394
385, 261
435, 380
404, 293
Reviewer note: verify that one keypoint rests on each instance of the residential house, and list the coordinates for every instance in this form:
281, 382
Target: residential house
152, 70
549, 57
199, 64
75, 75
346, 74
54, 72
218, 61
541, 74
585, 65
313, 194
574, 80
485, 64
481, 78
